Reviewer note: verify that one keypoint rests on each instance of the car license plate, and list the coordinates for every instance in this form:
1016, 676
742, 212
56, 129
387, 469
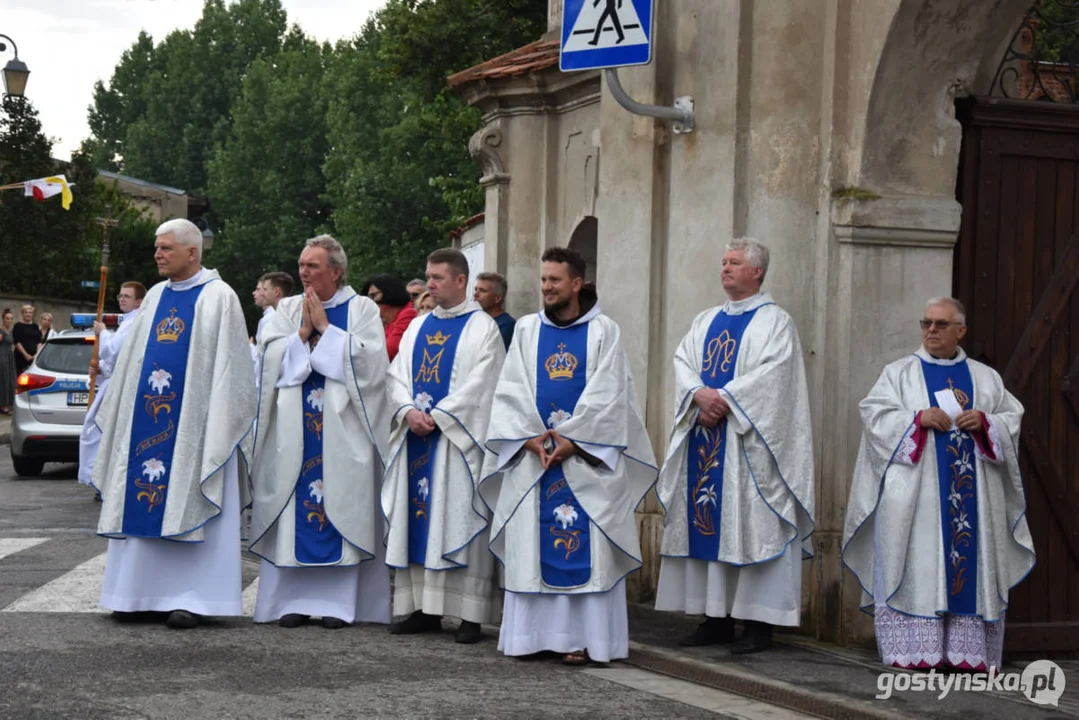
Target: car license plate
78, 398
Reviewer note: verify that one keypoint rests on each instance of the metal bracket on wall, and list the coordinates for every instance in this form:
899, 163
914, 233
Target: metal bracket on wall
681, 114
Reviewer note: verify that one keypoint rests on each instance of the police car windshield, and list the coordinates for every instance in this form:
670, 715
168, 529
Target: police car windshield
66, 356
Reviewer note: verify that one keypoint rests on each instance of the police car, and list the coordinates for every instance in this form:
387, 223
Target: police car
51, 398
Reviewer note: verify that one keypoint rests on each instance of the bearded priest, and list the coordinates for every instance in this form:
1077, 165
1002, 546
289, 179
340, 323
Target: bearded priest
172, 465
440, 388
569, 462
319, 444
936, 529
737, 484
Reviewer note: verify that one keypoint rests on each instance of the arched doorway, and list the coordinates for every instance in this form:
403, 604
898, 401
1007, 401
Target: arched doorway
583, 240
1016, 268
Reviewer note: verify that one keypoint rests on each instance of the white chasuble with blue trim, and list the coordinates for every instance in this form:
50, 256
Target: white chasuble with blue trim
157, 415
708, 445
565, 528
317, 541
957, 474
432, 370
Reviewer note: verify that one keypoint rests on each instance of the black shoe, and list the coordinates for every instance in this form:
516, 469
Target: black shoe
713, 631
182, 620
417, 622
756, 637
293, 620
97, 497
469, 633
142, 616
332, 623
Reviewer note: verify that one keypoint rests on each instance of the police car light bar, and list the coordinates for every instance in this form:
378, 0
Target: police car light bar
85, 321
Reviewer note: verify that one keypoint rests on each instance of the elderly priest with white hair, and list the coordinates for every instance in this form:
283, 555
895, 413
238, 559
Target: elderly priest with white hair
319, 444
936, 530
737, 484
172, 462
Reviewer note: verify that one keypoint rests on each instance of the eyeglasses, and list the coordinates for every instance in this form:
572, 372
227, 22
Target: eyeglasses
939, 324
414, 295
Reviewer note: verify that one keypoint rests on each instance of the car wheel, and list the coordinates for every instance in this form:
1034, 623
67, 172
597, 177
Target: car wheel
27, 467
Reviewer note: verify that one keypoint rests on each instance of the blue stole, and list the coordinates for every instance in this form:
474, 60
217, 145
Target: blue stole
565, 528
432, 368
957, 473
157, 413
317, 541
708, 446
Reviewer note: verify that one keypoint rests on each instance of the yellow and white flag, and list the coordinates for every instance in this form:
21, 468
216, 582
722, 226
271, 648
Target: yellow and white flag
44, 188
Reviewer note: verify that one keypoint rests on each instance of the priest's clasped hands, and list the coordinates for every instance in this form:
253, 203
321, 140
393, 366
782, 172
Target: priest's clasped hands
314, 316
551, 448
713, 407
936, 419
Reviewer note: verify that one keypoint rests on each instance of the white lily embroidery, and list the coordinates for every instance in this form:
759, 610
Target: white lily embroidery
708, 495
565, 515
954, 497
314, 398
153, 469
961, 522
423, 488
557, 417
316, 490
424, 401
963, 464
159, 380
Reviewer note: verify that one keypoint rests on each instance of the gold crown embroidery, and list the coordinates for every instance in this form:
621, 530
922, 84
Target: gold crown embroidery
560, 365
171, 328
438, 338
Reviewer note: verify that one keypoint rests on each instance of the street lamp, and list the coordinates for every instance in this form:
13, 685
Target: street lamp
15, 72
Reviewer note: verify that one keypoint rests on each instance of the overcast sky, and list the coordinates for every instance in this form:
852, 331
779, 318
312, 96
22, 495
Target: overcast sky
70, 44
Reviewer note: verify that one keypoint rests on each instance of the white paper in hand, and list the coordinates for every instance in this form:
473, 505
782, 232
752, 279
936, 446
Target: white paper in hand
948, 403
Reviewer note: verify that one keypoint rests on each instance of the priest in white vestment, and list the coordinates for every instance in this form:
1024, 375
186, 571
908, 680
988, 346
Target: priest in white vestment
319, 443
737, 483
440, 389
936, 529
569, 462
174, 446
109, 345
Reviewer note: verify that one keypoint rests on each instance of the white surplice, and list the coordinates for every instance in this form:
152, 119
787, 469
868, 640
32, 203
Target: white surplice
607, 424
458, 575
199, 570
353, 362
109, 344
768, 484
892, 538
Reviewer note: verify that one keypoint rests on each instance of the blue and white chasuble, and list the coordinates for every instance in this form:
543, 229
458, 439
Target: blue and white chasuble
708, 446
565, 528
156, 417
432, 369
957, 473
317, 541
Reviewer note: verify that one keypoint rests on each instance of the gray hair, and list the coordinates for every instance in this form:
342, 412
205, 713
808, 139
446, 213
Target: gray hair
416, 281
756, 253
334, 253
186, 233
498, 280
960, 311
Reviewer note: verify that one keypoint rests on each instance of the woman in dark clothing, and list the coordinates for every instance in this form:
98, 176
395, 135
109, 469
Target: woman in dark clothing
395, 306
27, 336
7, 363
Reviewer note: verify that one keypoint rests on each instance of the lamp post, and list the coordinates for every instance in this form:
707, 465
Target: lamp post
15, 72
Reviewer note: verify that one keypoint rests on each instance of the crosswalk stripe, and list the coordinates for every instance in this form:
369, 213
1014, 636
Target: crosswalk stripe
76, 591
10, 546
250, 594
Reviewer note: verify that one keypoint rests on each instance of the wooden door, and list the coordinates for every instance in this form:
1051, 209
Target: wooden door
1016, 270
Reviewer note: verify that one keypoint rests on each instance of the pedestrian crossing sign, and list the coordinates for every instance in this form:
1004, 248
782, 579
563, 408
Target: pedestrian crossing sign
606, 33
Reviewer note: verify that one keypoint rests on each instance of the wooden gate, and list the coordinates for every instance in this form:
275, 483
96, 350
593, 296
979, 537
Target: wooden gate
1016, 270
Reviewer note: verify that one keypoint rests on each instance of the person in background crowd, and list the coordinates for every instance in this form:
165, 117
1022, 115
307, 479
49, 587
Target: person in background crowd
416, 287
7, 363
395, 307
47, 330
27, 337
490, 293
425, 304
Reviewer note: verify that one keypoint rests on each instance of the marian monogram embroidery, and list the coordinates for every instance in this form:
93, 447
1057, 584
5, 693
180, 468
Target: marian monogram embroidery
150, 490
171, 328
719, 354
561, 365
429, 367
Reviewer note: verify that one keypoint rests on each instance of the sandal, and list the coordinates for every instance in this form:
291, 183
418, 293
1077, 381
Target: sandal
577, 657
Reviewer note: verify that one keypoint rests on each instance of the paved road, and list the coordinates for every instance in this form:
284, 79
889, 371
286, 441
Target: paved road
62, 657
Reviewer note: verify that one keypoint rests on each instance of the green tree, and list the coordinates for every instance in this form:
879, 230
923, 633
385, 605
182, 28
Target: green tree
266, 179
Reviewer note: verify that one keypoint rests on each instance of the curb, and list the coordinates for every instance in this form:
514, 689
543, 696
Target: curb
754, 686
